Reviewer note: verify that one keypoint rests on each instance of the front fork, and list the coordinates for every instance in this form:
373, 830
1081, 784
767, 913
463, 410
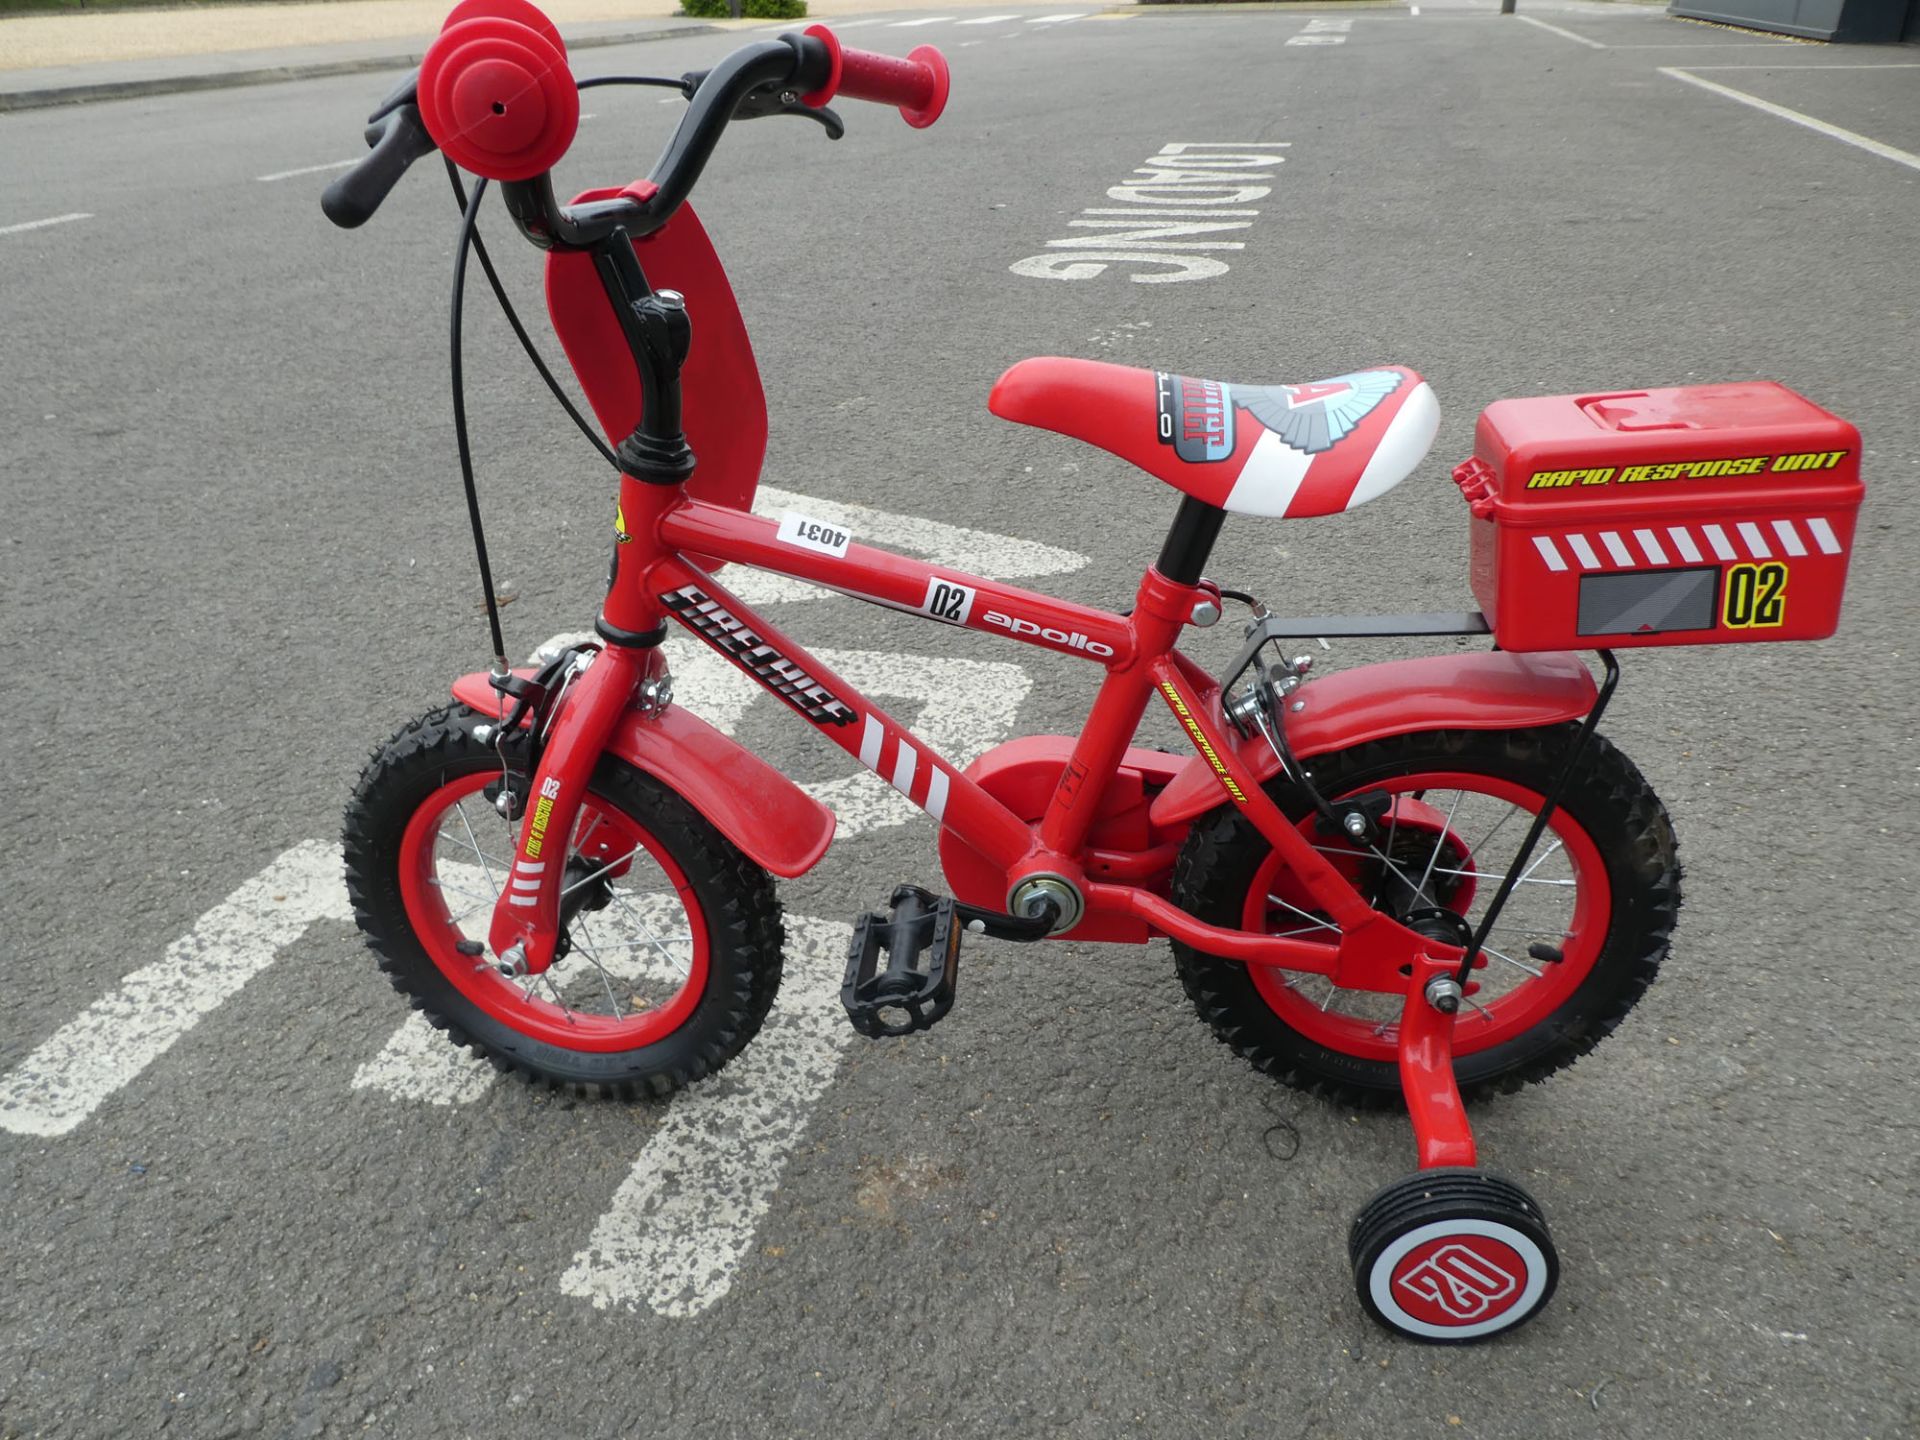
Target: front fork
526, 918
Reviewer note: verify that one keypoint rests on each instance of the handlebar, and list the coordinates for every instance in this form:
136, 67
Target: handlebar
495, 95
398, 139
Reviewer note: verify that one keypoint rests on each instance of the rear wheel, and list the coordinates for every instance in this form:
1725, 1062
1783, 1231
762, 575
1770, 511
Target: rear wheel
1575, 947
671, 942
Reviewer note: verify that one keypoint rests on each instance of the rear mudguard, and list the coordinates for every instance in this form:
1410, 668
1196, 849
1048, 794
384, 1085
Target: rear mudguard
1494, 691
777, 824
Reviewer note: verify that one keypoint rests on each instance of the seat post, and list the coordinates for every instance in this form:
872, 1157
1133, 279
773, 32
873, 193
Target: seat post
1190, 541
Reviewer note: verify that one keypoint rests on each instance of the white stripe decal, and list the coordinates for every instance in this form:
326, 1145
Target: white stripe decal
521, 882
523, 900
903, 768
872, 737
1824, 537
1717, 538
1544, 544
1789, 537
1651, 546
1683, 542
1756, 542
1583, 552
532, 867
1270, 479
937, 794
1618, 550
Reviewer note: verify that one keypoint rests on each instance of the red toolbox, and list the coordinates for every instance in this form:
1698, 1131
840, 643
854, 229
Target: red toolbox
1697, 516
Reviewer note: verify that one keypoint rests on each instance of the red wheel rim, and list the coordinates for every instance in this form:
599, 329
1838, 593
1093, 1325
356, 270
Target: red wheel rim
1566, 862
431, 869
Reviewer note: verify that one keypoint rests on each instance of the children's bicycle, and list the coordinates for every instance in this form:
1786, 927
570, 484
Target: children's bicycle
1405, 883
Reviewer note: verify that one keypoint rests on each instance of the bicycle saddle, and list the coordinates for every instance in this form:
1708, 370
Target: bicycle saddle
1293, 450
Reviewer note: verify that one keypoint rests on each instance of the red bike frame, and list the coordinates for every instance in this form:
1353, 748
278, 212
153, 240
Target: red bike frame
654, 580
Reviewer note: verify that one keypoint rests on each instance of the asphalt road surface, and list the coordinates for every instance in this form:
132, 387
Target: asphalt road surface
241, 1201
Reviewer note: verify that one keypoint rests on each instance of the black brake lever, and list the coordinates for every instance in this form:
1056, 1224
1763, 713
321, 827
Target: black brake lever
771, 100
405, 93
829, 121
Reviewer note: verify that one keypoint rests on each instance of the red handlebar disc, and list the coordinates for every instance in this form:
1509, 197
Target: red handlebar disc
497, 98
521, 12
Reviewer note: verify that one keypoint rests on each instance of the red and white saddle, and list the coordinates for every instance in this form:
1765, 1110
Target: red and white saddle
1293, 450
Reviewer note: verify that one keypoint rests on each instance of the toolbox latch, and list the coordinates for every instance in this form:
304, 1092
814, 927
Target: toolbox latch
1477, 482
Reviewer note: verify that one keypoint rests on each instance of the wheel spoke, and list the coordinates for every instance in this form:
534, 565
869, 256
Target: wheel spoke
460, 808
605, 979
1314, 920
1438, 841
1517, 964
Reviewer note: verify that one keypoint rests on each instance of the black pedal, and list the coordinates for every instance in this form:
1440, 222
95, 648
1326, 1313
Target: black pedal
914, 989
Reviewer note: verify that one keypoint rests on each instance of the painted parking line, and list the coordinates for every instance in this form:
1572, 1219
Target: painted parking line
1058, 19
681, 1222
1833, 132
1564, 34
84, 1062
1324, 31
42, 224
915, 24
989, 19
312, 169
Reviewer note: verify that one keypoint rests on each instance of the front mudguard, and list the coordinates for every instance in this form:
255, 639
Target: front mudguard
1495, 691
772, 820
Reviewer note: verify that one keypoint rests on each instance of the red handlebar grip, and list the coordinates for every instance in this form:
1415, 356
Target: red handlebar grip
918, 85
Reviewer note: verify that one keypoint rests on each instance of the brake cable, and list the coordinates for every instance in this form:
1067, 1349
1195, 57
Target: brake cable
470, 240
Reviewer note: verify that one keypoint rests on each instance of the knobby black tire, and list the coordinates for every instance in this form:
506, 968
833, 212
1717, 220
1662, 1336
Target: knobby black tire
736, 898
1606, 795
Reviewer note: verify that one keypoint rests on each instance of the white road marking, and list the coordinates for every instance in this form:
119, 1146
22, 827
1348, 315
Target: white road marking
1835, 132
1306, 39
998, 557
84, 1062
989, 19
1566, 34
1890, 65
687, 1213
1058, 19
308, 170
418, 1064
42, 224
915, 24
1210, 175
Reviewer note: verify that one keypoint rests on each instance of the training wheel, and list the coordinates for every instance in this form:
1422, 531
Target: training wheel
1451, 1256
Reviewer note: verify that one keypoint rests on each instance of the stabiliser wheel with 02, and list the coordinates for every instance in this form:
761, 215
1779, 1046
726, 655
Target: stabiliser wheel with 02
670, 955
1452, 1256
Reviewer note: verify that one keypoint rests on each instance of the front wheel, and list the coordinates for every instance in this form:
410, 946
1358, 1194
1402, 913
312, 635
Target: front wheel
1576, 946
670, 953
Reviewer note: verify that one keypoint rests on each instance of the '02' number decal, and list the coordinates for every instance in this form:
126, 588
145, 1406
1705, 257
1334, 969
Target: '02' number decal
1755, 597
948, 601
